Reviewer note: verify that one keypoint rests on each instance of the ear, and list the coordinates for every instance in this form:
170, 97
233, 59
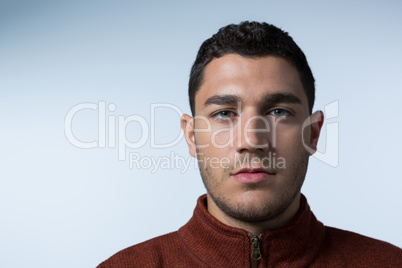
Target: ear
187, 125
317, 120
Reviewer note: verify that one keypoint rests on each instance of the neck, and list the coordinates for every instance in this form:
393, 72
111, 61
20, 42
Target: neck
256, 228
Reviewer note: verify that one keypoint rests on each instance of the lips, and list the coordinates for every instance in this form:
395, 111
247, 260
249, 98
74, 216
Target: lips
253, 175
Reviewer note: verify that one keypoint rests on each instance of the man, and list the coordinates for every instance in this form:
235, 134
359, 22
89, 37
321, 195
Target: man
252, 130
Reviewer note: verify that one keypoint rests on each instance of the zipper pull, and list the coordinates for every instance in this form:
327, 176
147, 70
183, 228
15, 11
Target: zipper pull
255, 248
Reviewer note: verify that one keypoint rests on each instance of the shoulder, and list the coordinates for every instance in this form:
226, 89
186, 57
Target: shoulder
160, 251
350, 247
351, 239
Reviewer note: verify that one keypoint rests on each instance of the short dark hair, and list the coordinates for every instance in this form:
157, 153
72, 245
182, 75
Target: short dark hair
251, 39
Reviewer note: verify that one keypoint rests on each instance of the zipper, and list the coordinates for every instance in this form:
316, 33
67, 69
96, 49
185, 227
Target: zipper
255, 249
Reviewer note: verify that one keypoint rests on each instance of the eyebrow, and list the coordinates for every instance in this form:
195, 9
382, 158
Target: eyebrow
222, 100
269, 99
281, 98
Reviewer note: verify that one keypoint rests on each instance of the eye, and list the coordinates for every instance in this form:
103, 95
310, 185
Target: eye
280, 112
224, 114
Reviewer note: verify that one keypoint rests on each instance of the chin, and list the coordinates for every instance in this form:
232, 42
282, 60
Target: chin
256, 206
255, 197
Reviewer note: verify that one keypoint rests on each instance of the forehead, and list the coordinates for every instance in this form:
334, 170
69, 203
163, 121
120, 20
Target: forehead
249, 78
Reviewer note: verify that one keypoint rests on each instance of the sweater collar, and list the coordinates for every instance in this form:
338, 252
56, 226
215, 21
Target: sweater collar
218, 245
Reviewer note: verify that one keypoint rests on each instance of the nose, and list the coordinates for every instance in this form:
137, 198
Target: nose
252, 133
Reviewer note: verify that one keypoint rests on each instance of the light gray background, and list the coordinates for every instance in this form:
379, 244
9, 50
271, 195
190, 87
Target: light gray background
62, 206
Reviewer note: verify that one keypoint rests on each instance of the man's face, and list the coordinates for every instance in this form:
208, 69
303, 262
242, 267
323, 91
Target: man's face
247, 135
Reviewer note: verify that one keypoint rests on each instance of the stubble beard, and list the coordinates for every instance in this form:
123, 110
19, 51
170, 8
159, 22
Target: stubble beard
268, 209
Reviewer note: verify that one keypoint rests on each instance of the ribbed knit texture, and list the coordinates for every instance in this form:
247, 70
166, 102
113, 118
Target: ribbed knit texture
305, 242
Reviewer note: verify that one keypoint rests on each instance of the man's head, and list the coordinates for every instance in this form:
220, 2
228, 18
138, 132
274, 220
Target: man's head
250, 106
251, 39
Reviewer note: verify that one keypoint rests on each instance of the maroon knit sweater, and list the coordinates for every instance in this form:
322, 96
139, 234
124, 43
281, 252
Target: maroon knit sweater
305, 242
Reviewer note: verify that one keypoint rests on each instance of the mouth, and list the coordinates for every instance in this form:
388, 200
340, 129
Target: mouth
253, 175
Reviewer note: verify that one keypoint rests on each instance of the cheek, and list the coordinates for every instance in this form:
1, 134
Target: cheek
210, 137
206, 146
221, 138
288, 139
202, 139
202, 131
